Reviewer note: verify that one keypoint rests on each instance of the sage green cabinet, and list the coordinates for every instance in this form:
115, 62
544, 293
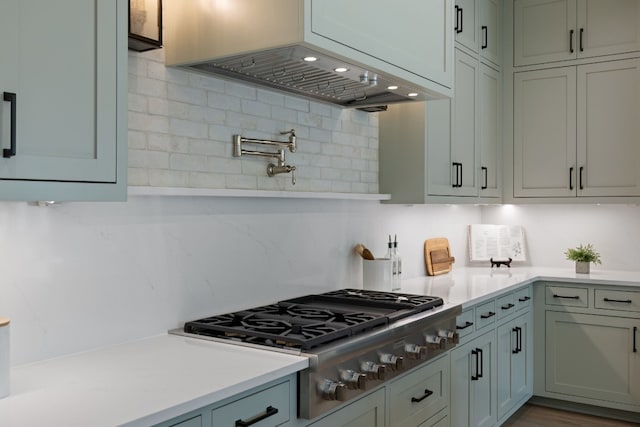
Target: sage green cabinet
515, 363
593, 357
478, 27
368, 411
65, 63
556, 30
473, 382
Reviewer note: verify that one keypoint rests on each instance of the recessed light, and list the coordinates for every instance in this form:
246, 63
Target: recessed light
392, 87
310, 58
340, 69
412, 94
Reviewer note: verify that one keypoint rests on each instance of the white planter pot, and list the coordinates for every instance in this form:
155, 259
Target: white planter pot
582, 267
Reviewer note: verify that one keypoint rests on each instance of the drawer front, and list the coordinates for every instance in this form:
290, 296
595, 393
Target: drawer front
485, 314
465, 323
617, 300
505, 306
270, 405
567, 296
192, 422
416, 397
522, 298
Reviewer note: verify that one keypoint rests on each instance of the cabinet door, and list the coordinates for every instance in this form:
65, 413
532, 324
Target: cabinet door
544, 133
608, 127
515, 363
466, 25
366, 412
544, 31
422, 44
490, 146
592, 357
64, 78
490, 30
606, 28
473, 382
465, 129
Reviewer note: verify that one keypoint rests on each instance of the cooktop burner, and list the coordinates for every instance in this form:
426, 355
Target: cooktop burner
313, 320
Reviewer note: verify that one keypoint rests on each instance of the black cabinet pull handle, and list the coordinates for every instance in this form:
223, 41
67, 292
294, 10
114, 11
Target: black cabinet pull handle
626, 301
580, 178
485, 35
426, 394
581, 33
635, 347
566, 297
461, 10
485, 172
508, 306
457, 28
12, 98
487, 315
270, 411
457, 170
465, 326
571, 41
481, 363
515, 350
519, 338
523, 299
571, 178
460, 182
476, 377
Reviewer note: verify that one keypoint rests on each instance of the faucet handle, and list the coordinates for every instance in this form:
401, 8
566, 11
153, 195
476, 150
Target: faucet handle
292, 139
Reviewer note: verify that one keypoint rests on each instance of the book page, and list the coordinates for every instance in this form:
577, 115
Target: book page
499, 242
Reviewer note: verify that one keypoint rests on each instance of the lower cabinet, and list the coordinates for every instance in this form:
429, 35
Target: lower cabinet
473, 382
368, 411
515, 364
590, 351
593, 357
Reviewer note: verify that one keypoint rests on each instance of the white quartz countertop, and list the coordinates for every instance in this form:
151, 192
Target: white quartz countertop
137, 383
469, 286
155, 379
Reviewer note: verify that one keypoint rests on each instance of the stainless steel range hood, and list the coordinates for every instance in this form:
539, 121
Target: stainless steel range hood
266, 43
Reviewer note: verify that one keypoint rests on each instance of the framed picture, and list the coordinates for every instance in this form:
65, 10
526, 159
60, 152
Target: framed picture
145, 24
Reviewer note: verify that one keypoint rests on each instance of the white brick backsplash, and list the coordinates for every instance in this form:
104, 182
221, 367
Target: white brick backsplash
181, 125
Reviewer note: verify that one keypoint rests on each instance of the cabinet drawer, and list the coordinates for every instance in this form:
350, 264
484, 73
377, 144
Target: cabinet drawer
271, 404
505, 306
485, 314
522, 298
416, 397
567, 296
618, 300
465, 323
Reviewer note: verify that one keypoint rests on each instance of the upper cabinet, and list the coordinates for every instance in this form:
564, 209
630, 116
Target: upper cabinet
265, 43
558, 30
575, 131
478, 27
63, 117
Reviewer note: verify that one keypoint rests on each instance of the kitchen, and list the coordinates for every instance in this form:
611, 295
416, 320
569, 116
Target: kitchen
82, 276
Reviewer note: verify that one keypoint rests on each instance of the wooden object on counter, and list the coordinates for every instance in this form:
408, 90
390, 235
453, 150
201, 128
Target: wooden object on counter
437, 256
364, 252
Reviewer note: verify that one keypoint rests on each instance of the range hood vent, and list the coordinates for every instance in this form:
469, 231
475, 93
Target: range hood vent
284, 69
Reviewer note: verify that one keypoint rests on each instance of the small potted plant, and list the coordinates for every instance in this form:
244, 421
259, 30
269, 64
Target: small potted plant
583, 255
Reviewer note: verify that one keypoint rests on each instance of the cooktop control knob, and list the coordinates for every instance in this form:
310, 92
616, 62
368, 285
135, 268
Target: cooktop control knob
353, 379
396, 363
414, 351
374, 371
332, 390
451, 337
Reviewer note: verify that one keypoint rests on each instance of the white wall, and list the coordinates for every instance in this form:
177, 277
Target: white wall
614, 230
78, 276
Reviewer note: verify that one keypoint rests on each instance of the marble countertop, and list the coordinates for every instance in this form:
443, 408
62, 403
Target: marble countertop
148, 381
139, 383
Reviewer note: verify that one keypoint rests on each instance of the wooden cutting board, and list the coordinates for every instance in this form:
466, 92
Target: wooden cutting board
437, 256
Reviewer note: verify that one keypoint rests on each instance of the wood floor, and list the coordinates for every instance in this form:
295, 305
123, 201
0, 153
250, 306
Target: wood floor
538, 416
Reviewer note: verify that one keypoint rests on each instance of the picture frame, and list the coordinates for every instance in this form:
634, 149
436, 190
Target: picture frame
145, 25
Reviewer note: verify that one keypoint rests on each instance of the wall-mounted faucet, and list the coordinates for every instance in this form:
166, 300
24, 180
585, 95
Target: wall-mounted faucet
272, 169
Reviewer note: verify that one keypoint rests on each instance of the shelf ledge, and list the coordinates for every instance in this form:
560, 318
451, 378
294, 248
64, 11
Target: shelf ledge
134, 191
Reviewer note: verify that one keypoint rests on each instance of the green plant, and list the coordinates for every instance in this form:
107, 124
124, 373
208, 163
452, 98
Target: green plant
583, 253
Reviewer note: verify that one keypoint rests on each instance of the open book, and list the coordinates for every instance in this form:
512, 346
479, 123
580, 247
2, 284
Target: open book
499, 242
